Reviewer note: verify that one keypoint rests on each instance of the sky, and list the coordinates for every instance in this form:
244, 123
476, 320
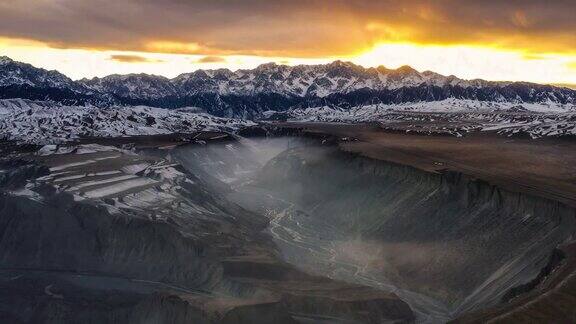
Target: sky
515, 40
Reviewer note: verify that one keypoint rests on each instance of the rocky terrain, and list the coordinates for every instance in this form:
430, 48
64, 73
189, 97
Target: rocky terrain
446, 243
316, 224
99, 234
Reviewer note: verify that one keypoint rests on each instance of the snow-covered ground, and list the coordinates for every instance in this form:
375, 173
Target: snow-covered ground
371, 112
453, 116
42, 122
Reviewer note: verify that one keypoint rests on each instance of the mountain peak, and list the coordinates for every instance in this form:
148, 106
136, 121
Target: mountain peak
342, 63
267, 66
136, 76
406, 69
5, 60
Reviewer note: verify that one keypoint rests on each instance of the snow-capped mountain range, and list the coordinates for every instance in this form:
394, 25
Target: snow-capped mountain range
249, 93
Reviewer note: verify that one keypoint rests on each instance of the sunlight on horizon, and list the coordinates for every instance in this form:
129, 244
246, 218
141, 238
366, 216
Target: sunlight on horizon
473, 62
467, 62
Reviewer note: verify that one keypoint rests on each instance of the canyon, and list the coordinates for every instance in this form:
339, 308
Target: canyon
291, 223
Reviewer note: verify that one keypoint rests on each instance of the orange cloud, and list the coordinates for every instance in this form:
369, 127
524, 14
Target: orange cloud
290, 28
519, 18
210, 59
133, 59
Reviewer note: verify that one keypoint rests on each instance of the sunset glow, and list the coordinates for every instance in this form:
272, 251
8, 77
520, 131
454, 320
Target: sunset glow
522, 40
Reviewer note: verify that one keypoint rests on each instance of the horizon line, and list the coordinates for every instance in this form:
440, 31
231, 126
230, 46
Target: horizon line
554, 84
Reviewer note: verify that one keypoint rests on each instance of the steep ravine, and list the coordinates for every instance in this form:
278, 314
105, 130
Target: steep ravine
445, 243
98, 234
284, 229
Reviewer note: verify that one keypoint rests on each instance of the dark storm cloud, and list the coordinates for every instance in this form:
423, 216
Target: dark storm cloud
289, 27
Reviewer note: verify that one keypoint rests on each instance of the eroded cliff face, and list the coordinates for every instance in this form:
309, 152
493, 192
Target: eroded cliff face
445, 243
282, 229
97, 234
